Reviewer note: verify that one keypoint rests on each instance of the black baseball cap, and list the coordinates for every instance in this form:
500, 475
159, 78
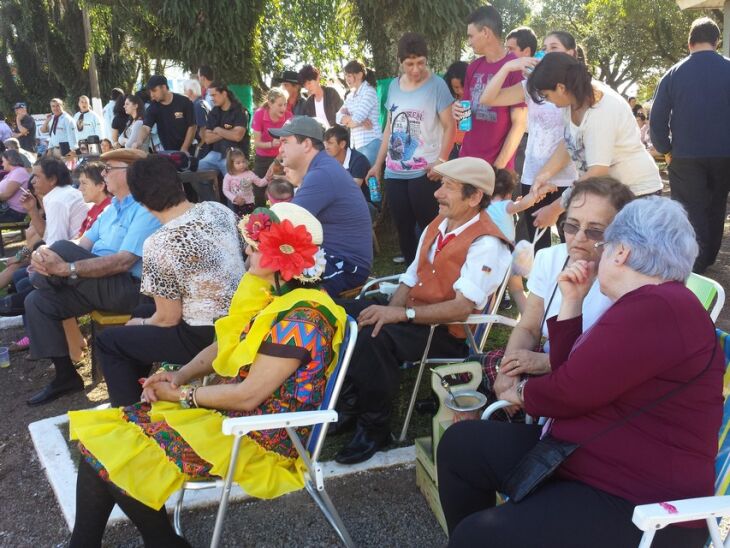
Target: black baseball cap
300, 125
20, 104
157, 80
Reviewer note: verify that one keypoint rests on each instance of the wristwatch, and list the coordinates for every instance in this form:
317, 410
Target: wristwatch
72, 267
410, 314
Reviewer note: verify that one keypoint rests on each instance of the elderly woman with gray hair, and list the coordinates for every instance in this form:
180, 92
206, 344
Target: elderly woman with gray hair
635, 402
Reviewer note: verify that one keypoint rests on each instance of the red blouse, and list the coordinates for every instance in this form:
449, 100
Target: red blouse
650, 341
94, 212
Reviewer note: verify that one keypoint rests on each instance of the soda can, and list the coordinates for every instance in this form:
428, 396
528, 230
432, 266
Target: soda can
374, 190
465, 120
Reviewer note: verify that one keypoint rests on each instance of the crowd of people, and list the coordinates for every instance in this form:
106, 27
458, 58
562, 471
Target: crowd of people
248, 289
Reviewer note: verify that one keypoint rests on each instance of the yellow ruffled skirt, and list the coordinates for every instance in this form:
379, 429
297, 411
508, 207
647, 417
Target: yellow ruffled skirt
139, 465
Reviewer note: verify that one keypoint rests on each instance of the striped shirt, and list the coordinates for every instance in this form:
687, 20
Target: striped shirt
360, 105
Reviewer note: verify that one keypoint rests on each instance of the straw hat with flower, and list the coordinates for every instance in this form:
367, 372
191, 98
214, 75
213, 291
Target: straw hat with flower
289, 239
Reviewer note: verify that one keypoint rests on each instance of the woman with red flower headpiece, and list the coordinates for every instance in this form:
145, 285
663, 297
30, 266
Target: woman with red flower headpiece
274, 351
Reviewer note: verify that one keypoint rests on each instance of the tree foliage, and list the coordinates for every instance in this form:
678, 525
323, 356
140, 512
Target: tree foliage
626, 41
325, 33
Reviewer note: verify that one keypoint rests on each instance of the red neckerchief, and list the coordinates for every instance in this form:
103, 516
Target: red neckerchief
441, 241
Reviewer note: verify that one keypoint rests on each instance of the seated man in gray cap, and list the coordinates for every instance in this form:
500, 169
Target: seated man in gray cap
101, 271
329, 192
462, 258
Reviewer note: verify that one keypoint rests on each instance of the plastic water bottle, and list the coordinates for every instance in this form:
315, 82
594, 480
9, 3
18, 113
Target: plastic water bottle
465, 121
374, 190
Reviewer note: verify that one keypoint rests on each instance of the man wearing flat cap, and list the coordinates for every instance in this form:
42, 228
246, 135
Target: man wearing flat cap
101, 270
462, 258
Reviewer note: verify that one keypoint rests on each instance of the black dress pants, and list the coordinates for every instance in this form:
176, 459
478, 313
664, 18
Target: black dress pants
701, 185
374, 371
128, 352
413, 206
475, 458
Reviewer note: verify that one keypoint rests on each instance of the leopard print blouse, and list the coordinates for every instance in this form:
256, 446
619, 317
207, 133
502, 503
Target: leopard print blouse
197, 258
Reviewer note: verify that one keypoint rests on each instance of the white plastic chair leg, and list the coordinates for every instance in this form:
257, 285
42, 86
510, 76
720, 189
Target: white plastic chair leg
647, 538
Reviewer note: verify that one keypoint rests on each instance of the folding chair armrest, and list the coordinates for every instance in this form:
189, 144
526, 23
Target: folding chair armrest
648, 517
476, 319
243, 425
371, 283
496, 406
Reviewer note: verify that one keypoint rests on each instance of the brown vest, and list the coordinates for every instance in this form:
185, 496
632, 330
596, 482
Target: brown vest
436, 280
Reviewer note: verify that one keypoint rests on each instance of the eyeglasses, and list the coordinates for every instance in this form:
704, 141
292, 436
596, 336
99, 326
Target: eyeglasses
594, 234
108, 168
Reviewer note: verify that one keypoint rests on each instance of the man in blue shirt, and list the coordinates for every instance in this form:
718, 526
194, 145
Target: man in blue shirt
330, 193
689, 122
101, 271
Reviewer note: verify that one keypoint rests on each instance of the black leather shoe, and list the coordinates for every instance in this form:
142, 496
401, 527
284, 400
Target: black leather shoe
364, 444
52, 392
346, 423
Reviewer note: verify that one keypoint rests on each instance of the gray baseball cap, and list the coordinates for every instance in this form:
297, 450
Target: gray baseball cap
300, 125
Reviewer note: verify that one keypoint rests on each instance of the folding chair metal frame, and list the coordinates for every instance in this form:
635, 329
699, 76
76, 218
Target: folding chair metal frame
476, 342
314, 476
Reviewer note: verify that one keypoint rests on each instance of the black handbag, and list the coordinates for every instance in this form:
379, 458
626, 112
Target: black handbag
536, 466
540, 462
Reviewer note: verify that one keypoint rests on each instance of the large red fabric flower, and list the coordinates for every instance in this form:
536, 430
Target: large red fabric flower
287, 248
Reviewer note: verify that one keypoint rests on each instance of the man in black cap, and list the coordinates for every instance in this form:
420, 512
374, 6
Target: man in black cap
289, 80
25, 126
173, 114
329, 192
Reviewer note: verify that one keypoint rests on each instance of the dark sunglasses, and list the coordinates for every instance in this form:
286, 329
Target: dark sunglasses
594, 234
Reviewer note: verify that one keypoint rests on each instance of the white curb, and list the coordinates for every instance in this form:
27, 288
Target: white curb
10, 322
55, 457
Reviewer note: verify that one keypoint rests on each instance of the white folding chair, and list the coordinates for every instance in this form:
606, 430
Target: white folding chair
314, 476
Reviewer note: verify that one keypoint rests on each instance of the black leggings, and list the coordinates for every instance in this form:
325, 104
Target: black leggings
95, 499
411, 203
475, 457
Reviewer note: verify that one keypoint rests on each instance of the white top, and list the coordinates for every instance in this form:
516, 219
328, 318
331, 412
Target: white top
131, 135
64, 131
320, 115
360, 105
486, 264
93, 125
108, 111
608, 136
497, 210
65, 210
196, 258
543, 279
546, 130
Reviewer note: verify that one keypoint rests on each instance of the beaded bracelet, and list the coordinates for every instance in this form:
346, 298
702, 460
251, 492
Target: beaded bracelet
186, 397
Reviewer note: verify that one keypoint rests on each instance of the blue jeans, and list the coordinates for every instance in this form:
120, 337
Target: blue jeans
213, 161
370, 151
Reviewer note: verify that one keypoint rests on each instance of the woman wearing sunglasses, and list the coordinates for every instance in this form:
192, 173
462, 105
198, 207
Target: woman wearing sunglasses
592, 207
